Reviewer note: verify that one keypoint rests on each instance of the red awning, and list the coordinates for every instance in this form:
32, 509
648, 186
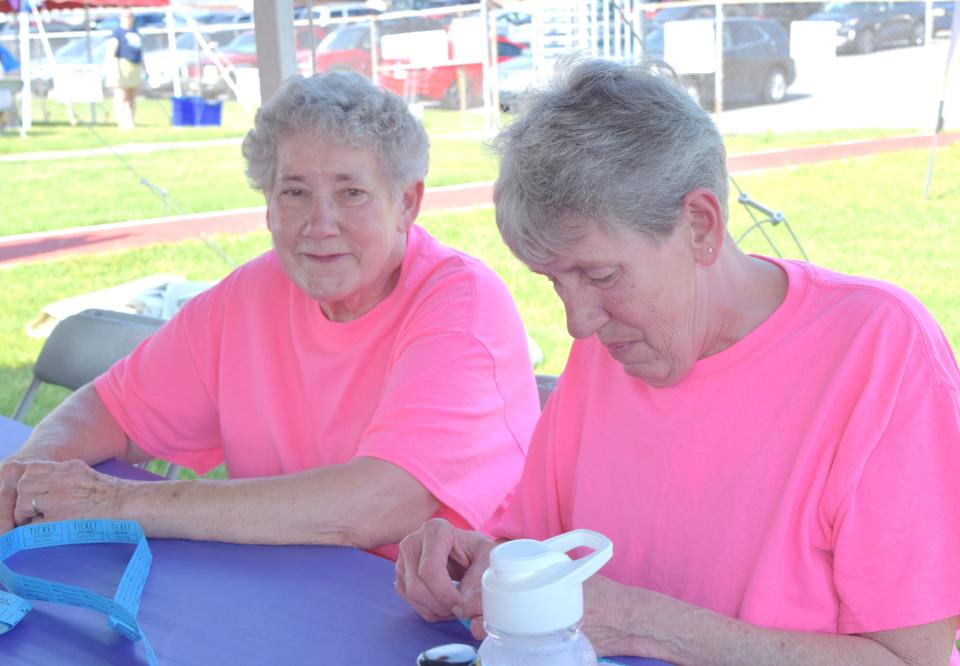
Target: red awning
14, 5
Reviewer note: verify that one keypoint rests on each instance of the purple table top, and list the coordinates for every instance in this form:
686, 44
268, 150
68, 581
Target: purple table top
216, 603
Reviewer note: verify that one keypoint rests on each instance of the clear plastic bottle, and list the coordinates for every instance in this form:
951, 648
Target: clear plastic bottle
533, 601
567, 647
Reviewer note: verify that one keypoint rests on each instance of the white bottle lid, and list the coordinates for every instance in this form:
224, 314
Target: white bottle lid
533, 587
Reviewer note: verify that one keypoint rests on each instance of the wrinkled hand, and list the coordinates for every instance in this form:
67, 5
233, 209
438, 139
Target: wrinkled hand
49, 491
431, 559
612, 616
10, 473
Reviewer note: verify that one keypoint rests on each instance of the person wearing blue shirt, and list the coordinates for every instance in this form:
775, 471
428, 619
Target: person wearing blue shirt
8, 65
124, 68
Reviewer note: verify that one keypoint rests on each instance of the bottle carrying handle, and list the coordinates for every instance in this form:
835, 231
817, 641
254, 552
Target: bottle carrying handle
577, 571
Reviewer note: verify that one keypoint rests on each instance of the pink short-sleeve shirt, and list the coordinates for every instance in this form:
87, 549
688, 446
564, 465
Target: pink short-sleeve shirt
805, 478
435, 378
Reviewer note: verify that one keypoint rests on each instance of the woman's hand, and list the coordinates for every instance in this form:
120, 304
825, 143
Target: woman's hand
65, 490
431, 559
10, 473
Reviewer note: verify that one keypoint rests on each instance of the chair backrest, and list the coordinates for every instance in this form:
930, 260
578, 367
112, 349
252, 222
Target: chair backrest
545, 386
83, 346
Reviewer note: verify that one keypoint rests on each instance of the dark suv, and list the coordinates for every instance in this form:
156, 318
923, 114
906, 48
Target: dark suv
862, 27
756, 61
782, 12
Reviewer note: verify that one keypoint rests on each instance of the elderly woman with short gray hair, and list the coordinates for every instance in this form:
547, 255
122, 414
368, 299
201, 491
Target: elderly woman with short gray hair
771, 446
357, 379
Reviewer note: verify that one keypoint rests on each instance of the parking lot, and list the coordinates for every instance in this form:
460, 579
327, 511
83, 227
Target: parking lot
892, 88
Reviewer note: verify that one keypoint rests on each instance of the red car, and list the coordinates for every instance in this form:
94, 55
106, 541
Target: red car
348, 48
241, 52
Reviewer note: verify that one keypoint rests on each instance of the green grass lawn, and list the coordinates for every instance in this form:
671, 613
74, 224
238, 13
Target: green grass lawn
879, 226
153, 118
87, 190
106, 188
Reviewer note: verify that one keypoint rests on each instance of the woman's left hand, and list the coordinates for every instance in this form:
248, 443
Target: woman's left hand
65, 490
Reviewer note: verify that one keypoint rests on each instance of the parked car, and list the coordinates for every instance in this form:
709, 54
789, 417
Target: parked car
943, 16
756, 62
515, 76
348, 48
862, 27
336, 10
75, 52
657, 17
162, 64
784, 13
141, 20
516, 26
224, 18
204, 75
439, 83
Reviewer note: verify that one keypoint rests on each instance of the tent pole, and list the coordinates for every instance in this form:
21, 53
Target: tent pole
172, 41
954, 29
26, 103
86, 22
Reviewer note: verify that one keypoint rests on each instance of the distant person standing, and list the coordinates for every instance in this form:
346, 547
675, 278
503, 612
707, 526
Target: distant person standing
124, 64
8, 65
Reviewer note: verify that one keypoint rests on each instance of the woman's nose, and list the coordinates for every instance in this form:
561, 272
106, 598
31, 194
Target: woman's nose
585, 314
321, 220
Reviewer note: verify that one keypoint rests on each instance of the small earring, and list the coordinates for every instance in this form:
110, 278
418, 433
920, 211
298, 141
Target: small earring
709, 250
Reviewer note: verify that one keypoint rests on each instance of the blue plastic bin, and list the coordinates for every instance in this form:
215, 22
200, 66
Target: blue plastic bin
193, 111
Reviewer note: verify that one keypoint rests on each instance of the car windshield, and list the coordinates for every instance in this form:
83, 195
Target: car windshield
672, 13
347, 37
76, 50
848, 7
653, 41
186, 41
245, 43
523, 60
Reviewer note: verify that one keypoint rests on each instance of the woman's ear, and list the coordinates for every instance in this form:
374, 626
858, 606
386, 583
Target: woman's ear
410, 200
704, 215
267, 198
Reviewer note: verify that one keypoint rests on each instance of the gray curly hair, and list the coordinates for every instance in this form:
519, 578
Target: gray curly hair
347, 109
619, 144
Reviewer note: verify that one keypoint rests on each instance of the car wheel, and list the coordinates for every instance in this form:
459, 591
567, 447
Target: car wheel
775, 87
693, 90
866, 42
451, 98
919, 34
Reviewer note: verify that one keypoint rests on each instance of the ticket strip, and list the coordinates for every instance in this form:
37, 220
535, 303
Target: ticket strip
121, 611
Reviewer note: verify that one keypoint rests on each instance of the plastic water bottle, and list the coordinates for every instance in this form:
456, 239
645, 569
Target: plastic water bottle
533, 601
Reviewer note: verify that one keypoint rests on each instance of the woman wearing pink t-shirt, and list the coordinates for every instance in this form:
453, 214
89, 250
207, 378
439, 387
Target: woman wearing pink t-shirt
357, 379
771, 446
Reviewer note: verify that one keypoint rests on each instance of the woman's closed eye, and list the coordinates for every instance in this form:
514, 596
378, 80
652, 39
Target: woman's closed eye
602, 276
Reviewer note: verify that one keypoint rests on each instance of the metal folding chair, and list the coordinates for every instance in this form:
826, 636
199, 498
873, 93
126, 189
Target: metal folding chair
82, 347
545, 386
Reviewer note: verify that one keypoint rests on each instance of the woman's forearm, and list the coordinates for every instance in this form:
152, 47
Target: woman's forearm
640, 622
80, 428
364, 503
